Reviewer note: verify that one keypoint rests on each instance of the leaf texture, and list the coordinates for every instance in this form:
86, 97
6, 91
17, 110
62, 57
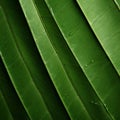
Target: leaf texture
34, 63
108, 35
5, 114
57, 73
57, 60
93, 58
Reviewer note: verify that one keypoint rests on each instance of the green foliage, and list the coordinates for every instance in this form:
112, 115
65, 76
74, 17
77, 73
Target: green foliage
59, 60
